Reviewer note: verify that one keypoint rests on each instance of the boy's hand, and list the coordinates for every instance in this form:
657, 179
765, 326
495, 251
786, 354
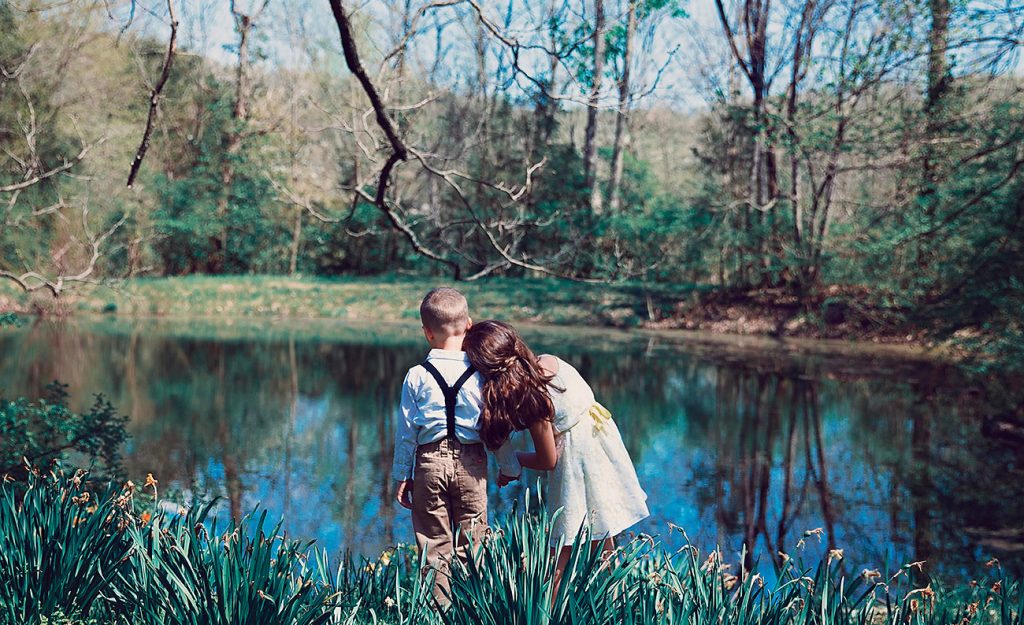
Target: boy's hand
505, 480
404, 494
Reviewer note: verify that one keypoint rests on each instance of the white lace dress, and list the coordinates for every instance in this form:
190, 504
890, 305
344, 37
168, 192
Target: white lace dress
594, 479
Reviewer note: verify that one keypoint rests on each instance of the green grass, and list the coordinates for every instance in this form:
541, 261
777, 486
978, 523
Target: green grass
66, 557
380, 298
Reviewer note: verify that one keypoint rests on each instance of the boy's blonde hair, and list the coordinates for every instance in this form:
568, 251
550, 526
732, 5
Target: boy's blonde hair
445, 310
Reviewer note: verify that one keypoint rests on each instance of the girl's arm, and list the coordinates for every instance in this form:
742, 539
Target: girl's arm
545, 455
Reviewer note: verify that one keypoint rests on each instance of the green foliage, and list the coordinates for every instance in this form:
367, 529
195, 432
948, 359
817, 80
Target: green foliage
28, 150
9, 319
68, 551
955, 260
509, 579
978, 304
387, 589
10, 41
63, 547
47, 431
332, 250
651, 237
212, 227
187, 574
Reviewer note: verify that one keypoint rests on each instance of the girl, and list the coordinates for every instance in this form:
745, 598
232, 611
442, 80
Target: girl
592, 478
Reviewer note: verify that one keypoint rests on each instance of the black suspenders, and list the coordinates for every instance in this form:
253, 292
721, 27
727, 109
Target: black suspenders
451, 393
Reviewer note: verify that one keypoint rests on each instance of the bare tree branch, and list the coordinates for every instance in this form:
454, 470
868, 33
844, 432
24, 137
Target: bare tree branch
30, 281
399, 151
36, 179
154, 96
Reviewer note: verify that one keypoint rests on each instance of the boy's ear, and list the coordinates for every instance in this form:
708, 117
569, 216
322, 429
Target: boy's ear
469, 323
428, 334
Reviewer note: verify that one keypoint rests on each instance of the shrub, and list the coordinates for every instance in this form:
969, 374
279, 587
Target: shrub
45, 431
508, 580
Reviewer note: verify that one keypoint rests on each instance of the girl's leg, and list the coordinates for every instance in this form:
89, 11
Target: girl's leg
563, 559
607, 547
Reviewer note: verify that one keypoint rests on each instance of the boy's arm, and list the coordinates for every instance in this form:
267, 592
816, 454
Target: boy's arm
508, 461
405, 436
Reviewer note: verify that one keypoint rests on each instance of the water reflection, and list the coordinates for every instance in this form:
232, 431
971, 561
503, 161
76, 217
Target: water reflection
752, 447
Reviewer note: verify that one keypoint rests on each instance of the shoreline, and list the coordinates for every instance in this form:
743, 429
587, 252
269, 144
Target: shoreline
712, 346
676, 314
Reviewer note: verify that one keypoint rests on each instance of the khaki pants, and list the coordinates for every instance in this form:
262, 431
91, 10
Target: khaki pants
449, 494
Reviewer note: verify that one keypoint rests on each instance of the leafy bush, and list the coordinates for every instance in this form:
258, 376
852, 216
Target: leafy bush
509, 579
388, 589
47, 430
9, 319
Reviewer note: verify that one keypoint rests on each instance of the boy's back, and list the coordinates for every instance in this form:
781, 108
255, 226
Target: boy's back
423, 413
439, 459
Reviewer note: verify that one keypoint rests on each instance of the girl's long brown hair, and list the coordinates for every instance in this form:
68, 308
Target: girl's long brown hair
515, 394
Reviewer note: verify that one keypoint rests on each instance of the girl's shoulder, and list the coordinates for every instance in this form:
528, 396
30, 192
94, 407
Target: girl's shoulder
550, 364
563, 373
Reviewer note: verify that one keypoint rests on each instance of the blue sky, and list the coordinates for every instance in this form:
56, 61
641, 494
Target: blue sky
684, 57
207, 28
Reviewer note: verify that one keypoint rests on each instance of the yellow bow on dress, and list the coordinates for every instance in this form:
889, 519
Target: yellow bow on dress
601, 416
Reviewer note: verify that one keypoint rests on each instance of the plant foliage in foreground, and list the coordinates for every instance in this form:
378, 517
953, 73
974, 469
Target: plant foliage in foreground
186, 574
63, 549
69, 555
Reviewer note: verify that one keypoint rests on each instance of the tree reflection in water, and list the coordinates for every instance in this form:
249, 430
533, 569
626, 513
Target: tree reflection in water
892, 459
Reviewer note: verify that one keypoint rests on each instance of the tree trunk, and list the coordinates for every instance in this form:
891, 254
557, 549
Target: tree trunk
622, 116
293, 262
802, 46
938, 85
590, 136
233, 140
763, 181
240, 110
293, 153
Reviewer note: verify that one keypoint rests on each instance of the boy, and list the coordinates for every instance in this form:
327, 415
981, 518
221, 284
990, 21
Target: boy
440, 464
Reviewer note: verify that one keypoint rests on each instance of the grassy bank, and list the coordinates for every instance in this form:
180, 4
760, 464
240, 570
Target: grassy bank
834, 314
383, 298
75, 555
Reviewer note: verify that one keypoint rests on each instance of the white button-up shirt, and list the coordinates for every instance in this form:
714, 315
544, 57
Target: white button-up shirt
422, 418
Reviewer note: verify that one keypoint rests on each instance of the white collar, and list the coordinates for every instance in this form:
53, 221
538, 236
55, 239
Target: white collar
448, 354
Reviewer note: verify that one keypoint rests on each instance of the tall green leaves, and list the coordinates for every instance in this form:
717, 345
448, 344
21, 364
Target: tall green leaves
509, 578
70, 552
189, 575
63, 547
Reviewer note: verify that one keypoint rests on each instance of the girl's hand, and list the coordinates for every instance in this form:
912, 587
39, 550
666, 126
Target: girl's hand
404, 494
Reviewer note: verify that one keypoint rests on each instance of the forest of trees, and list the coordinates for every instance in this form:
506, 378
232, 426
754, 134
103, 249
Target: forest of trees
867, 149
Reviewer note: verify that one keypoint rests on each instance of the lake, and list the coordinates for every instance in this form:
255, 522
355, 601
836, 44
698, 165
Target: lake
738, 441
